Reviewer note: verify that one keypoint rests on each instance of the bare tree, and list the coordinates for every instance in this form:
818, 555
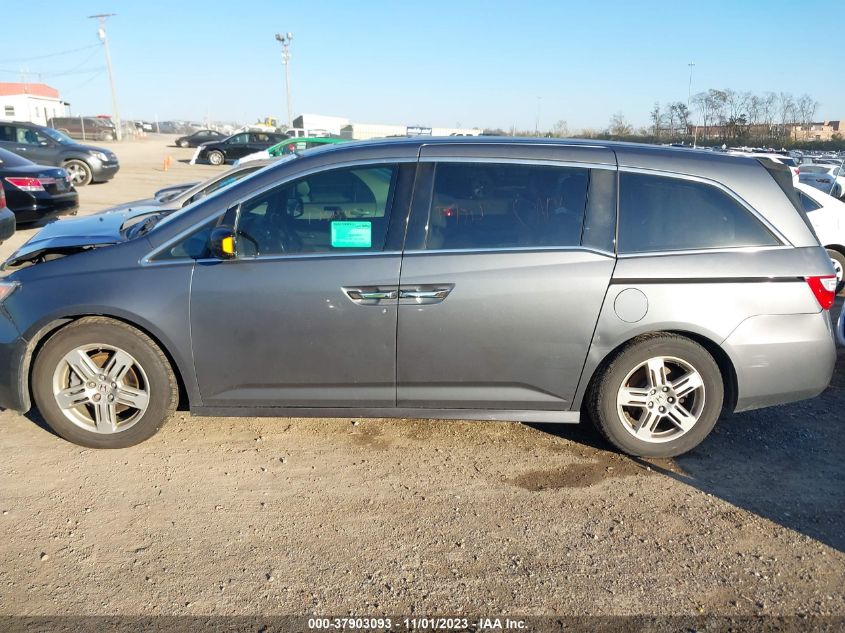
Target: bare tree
786, 110
656, 119
680, 114
619, 126
560, 129
806, 108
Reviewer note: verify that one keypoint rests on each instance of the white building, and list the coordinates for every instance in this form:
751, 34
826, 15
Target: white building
319, 122
35, 103
360, 131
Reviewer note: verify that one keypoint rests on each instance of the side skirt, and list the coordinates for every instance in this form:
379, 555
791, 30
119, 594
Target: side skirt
546, 417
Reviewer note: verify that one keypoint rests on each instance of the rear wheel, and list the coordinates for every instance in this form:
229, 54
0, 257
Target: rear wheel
216, 158
103, 384
79, 171
658, 397
838, 261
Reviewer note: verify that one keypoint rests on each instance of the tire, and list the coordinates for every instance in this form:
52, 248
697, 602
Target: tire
106, 136
148, 381
184, 144
838, 261
680, 356
216, 157
79, 171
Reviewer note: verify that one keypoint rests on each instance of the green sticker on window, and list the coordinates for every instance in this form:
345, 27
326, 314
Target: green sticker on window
352, 234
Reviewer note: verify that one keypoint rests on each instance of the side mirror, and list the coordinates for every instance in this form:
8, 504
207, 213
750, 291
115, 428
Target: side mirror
222, 243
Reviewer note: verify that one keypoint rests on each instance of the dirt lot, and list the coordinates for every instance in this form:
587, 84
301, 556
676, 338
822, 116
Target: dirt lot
294, 516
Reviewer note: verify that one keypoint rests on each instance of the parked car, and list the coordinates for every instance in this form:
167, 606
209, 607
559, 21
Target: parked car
172, 190
169, 202
35, 192
7, 219
290, 146
434, 277
235, 146
827, 215
199, 137
827, 178
86, 128
46, 146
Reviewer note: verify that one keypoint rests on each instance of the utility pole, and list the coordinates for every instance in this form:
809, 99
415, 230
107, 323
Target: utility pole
689, 99
101, 33
537, 120
285, 39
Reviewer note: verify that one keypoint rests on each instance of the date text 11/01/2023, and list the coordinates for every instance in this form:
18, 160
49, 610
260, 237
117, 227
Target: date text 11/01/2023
416, 623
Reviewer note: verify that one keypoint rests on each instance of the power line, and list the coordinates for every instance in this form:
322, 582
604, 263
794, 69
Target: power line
29, 59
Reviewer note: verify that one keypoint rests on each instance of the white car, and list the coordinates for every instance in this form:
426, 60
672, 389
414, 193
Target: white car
827, 215
826, 177
778, 158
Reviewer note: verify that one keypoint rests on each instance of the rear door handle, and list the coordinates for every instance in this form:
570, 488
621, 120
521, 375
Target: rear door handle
370, 294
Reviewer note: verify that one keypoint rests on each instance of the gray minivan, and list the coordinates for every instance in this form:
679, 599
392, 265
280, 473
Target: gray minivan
491, 279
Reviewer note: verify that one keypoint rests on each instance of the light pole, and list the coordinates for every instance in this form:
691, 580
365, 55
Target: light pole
101, 33
689, 88
284, 39
537, 120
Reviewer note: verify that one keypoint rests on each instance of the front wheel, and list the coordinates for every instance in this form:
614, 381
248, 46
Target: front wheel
660, 396
216, 158
183, 144
103, 384
79, 171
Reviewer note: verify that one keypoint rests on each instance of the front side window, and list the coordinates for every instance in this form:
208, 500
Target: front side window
239, 139
483, 205
658, 213
339, 210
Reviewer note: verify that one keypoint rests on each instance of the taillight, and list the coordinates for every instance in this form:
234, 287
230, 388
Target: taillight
26, 184
824, 289
2, 198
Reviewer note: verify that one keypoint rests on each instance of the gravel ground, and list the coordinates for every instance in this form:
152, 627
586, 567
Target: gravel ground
240, 516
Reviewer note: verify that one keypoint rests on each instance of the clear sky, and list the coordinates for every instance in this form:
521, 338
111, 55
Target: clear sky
429, 62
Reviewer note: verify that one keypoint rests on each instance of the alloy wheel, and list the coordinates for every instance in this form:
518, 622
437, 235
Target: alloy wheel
661, 399
101, 388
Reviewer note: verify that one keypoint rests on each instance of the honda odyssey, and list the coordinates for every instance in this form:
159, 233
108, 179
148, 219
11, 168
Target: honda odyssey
647, 288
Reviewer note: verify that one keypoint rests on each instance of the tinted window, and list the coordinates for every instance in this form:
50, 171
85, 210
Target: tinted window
330, 211
239, 139
807, 202
478, 206
669, 214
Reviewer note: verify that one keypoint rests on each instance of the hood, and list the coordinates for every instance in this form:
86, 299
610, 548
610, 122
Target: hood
140, 206
64, 237
79, 147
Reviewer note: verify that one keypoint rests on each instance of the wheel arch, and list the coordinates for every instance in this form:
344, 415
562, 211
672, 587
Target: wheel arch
37, 340
723, 361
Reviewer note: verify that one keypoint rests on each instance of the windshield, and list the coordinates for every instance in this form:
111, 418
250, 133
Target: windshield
58, 136
164, 218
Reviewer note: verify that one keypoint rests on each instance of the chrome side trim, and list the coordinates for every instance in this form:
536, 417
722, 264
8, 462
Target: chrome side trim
548, 162
514, 249
707, 181
704, 251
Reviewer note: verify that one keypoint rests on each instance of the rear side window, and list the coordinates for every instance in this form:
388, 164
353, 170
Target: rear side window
808, 203
657, 213
484, 205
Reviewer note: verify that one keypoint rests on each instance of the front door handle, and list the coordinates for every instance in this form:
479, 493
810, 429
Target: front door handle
424, 294
441, 293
